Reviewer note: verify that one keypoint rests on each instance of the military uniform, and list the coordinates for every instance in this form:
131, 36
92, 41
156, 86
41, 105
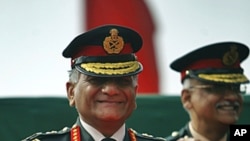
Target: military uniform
217, 64
105, 51
182, 133
78, 133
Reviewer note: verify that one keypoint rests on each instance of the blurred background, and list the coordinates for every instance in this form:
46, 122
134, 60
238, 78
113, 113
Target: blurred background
33, 34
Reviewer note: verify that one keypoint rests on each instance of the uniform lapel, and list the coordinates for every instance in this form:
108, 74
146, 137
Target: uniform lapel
85, 136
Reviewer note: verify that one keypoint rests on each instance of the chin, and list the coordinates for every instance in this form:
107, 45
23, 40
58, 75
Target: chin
110, 118
230, 120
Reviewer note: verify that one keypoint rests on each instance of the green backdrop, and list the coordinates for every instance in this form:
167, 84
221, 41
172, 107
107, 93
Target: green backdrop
155, 114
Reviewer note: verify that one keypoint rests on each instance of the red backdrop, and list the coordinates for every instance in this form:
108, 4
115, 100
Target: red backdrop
134, 14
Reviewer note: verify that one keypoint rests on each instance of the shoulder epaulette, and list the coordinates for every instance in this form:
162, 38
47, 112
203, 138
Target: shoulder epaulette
147, 136
37, 136
175, 135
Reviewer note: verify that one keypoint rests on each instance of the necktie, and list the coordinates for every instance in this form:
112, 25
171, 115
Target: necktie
108, 139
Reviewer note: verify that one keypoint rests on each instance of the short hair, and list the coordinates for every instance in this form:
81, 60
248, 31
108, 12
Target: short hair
74, 75
186, 83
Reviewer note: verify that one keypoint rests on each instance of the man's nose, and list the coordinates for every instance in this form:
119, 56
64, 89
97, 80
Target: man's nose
229, 94
110, 88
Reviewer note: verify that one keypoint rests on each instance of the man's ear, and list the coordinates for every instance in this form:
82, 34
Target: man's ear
186, 99
70, 93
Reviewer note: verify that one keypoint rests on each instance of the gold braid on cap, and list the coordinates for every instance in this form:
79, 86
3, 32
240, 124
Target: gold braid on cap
111, 68
227, 78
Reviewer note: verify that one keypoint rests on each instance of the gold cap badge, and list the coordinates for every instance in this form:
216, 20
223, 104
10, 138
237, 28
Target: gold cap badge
231, 56
113, 44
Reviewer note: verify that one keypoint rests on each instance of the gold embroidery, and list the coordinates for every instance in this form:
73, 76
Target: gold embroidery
114, 43
228, 78
111, 68
75, 134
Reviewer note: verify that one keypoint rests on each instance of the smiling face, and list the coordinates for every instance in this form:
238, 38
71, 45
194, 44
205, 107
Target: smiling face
211, 103
101, 99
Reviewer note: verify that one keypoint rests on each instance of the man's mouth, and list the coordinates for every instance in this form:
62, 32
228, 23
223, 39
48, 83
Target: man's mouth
108, 101
230, 106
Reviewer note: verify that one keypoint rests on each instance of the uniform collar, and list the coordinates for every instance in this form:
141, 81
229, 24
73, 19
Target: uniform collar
98, 136
196, 135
